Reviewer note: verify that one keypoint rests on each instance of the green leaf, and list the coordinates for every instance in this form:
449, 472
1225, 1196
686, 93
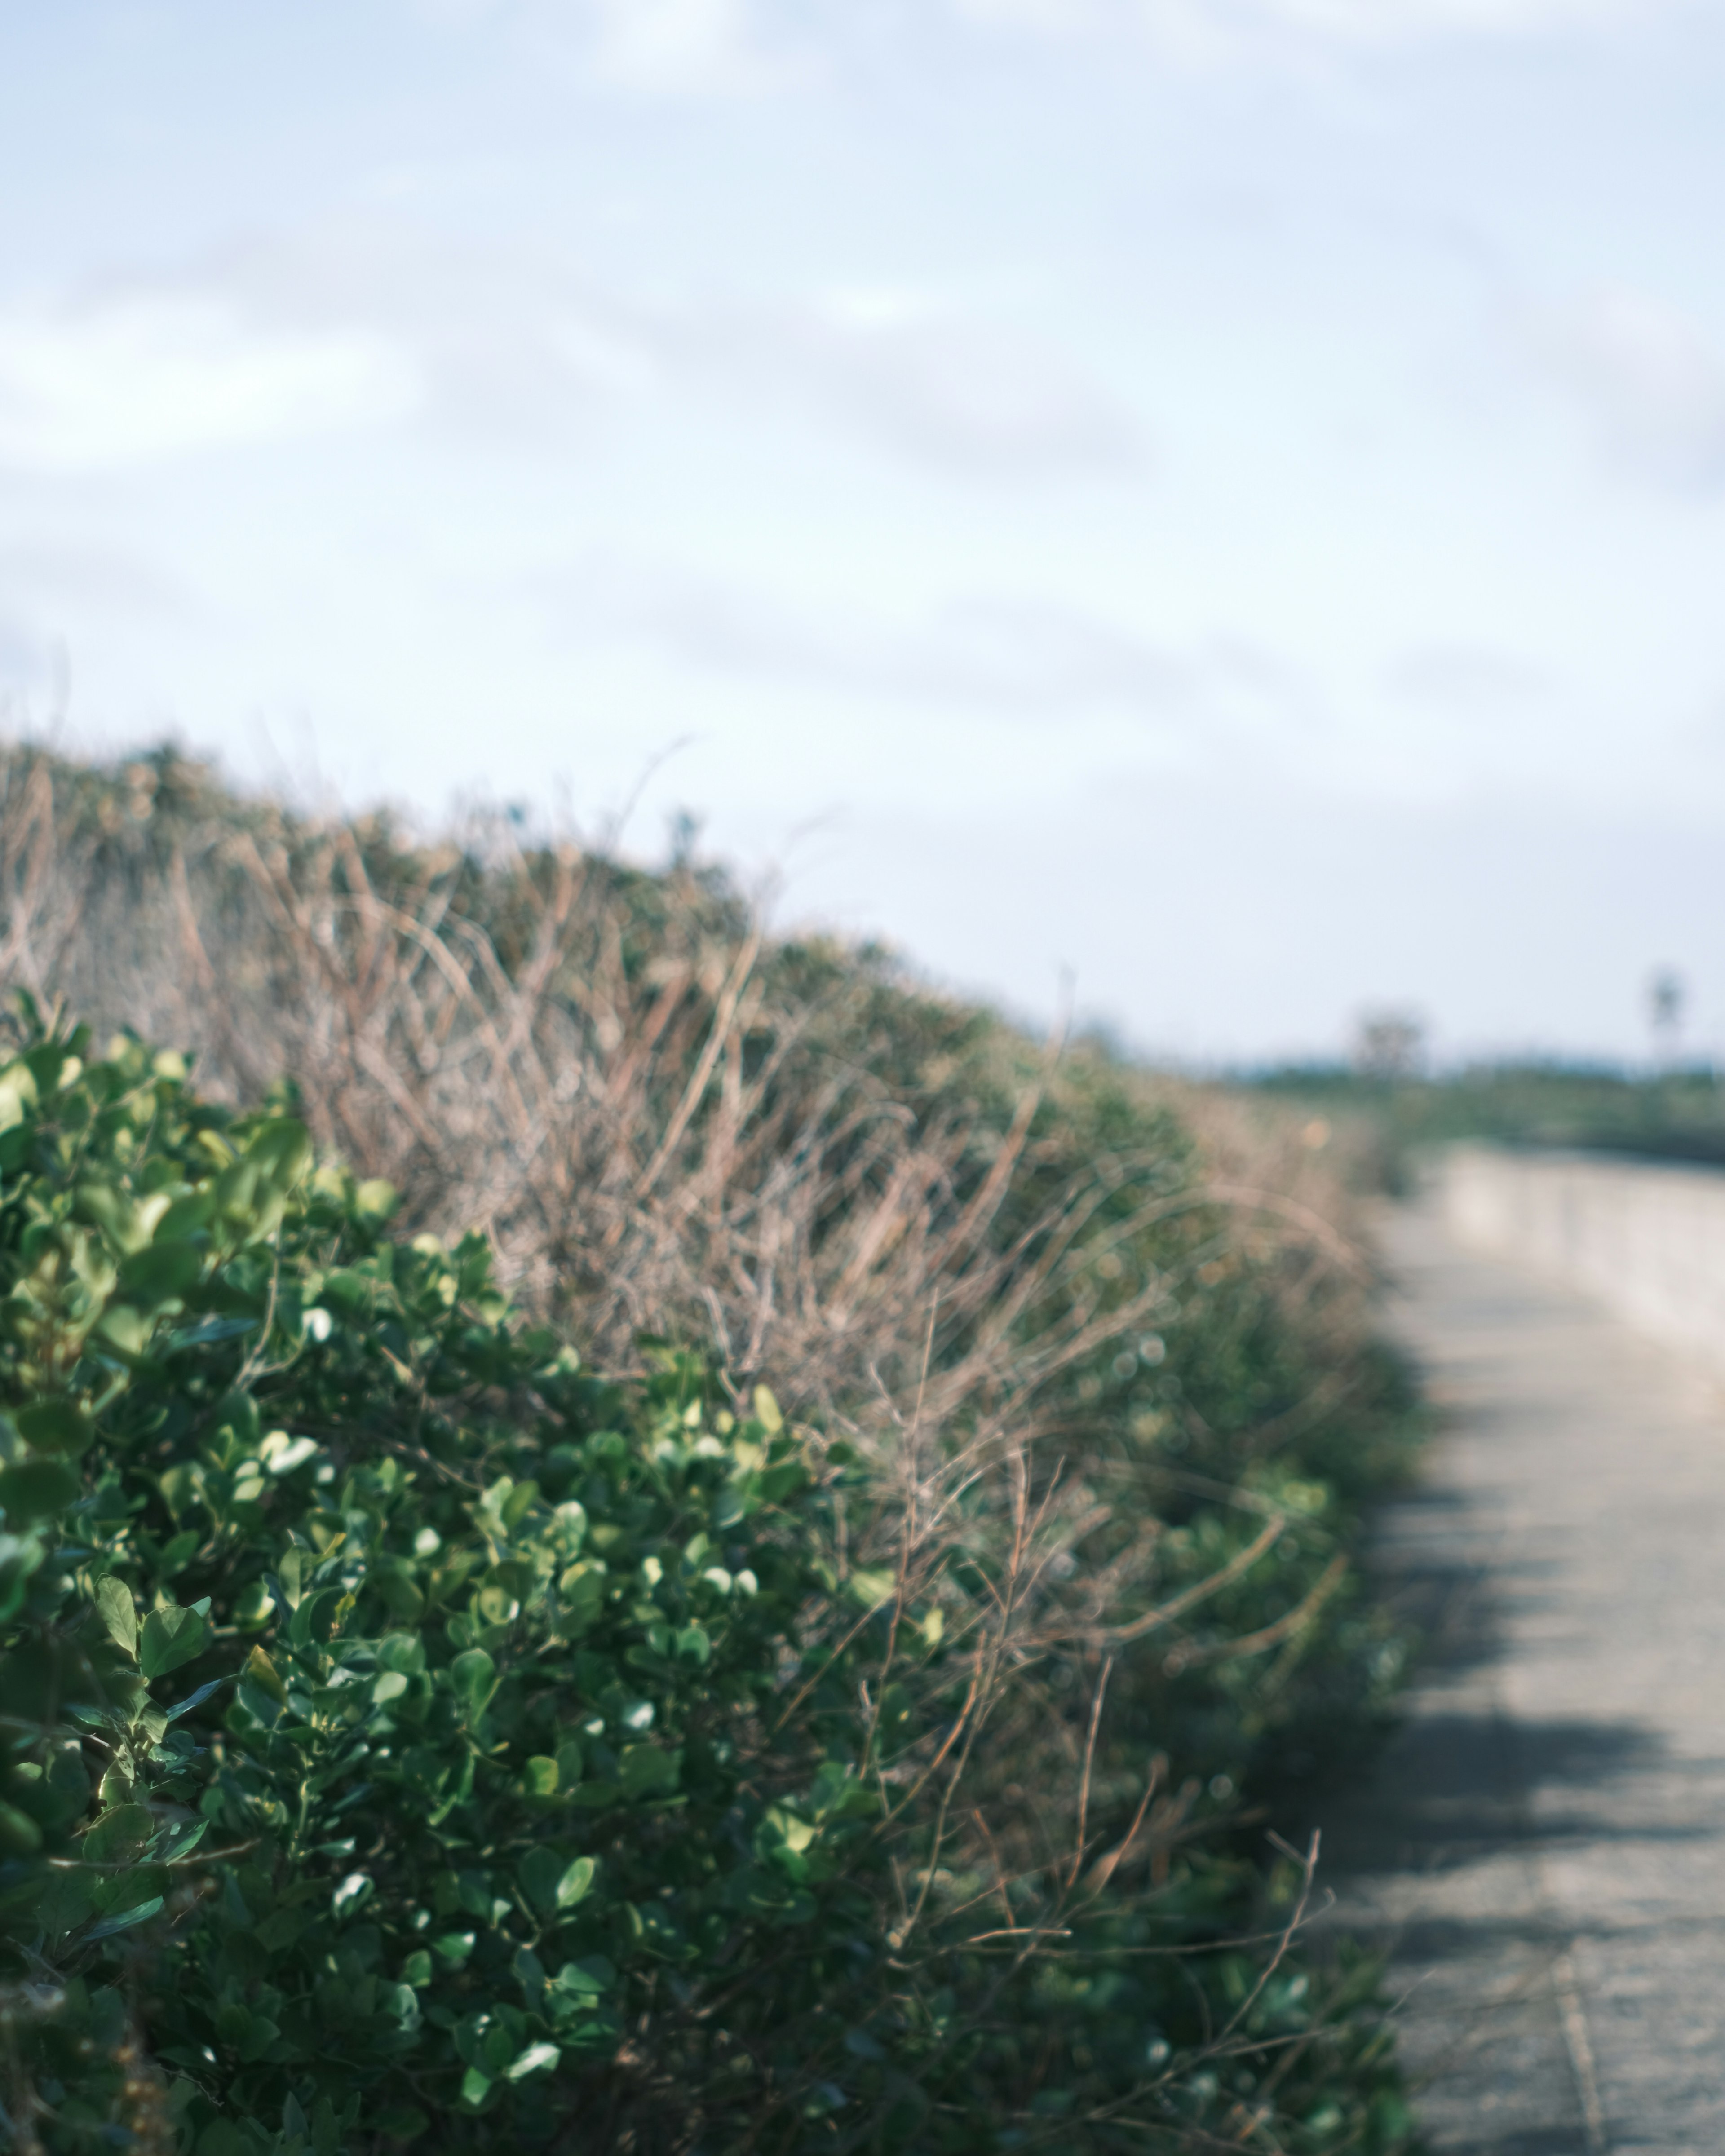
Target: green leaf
870, 1589
119, 1836
185, 1216
161, 1271
280, 1930
783, 1829
109, 1892
179, 1552
11, 1097
597, 1796
733, 1503
586, 1978
539, 1776
179, 1489
261, 1671
209, 1330
575, 1883
283, 1454
552, 1884
376, 1199
475, 1677
254, 1607
55, 1425
314, 1617
19, 1834
36, 1491
352, 1894
21, 1557
126, 1328
125, 1919
280, 1147
535, 2060
405, 1602
195, 1698
646, 1771
349, 1292
170, 1637
119, 1614
187, 1838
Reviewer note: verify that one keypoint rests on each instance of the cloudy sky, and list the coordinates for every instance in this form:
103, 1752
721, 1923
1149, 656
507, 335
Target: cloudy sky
1226, 497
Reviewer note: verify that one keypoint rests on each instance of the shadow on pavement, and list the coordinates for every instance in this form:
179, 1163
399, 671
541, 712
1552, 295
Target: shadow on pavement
1432, 1856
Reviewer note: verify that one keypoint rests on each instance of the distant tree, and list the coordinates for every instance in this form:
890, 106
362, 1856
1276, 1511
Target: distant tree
1389, 1044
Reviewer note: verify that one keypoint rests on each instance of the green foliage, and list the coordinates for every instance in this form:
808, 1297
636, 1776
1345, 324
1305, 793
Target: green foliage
411, 1736
503, 1769
1384, 1124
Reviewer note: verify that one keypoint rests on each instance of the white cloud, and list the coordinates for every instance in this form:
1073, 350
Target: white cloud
502, 342
1465, 678
369, 323
1014, 658
1648, 378
1383, 21
678, 45
973, 395
664, 48
942, 386
721, 49
1220, 26
76, 573
133, 378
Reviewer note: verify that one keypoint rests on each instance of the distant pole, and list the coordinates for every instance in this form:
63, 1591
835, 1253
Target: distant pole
1668, 992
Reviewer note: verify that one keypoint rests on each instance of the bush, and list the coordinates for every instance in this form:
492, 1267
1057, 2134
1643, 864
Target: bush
506, 1769
406, 1728
1075, 1374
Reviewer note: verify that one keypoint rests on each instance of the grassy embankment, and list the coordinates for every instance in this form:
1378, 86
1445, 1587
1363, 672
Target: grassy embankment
1086, 1354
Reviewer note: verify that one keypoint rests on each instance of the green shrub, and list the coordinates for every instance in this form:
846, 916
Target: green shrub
507, 1767
412, 1735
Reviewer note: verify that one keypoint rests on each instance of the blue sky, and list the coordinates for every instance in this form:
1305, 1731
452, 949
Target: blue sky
1226, 497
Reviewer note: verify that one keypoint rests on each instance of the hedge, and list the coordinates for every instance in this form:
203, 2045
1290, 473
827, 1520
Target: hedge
412, 1736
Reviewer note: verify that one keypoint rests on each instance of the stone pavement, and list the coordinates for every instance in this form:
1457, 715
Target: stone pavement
1543, 1849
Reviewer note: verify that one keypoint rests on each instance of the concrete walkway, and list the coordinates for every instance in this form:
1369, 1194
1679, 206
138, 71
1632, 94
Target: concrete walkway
1543, 1849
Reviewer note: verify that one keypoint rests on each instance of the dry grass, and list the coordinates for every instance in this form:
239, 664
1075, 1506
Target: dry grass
643, 1107
923, 1232
876, 1202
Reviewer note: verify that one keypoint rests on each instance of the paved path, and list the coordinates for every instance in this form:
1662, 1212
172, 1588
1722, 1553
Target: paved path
1543, 1850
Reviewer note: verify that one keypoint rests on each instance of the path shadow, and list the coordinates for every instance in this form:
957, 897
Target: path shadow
1431, 1856
1537, 1854
1454, 1780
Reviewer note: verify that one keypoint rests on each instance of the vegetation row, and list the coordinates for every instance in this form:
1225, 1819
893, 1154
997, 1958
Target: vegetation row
772, 1568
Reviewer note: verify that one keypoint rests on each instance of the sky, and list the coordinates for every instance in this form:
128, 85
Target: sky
1221, 502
